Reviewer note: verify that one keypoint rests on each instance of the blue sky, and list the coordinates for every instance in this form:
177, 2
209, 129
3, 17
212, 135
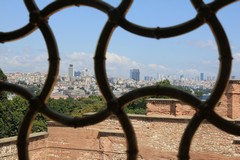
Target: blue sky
77, 30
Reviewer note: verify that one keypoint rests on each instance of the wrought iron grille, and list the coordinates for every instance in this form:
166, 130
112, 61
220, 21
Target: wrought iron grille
206, 14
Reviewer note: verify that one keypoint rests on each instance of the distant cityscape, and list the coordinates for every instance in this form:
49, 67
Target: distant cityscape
82, 83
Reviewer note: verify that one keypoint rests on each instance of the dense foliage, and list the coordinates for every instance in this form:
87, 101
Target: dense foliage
136, 107
77, 107
11, 115
3, 77
13, 111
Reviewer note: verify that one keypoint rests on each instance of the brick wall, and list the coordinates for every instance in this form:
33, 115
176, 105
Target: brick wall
158, 137
69, 143
158, 106
37, 147
228, 105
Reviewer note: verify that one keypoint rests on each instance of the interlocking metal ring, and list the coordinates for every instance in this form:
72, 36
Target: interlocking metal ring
206, 14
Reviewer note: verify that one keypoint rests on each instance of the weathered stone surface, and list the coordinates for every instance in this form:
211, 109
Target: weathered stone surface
158, 138
37, 147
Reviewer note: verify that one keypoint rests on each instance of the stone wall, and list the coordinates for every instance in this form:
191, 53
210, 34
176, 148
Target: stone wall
69, 143
37, 147
233, 99
228, 105
159, 106
158, 137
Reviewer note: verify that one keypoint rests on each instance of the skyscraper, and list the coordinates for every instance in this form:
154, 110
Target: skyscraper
135, 74
85, 72
201, 76
70, 71
77, 74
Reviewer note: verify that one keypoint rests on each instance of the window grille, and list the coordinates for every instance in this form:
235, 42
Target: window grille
206, 14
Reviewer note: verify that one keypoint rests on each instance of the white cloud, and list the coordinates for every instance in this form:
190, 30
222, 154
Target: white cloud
115, 59
12, 61
154, 66
206, 62
116, 65
189, 72
80, 60
158, 67
192, 72
236, 57
204, 44
80, 56
41, 58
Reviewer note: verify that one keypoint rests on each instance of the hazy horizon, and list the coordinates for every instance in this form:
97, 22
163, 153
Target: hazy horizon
77, 30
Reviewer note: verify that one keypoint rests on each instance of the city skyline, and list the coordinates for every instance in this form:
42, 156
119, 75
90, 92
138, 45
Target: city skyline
125, 50
134, 75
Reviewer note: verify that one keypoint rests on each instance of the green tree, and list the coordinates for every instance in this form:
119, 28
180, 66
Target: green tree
184, 88
136, 107
62, 105
34, 89
77, 107
90, 104
164, 83
11, 115
3, 77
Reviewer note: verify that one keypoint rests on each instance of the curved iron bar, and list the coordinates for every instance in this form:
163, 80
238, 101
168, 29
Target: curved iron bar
205, 14
218, 4
37, 19
59, 5
100, 53
223, 124
99, 62
225, 65
158, 32
36, 103
53, 62
75, 121
5, 86
116, 17
23, 136
159, 91
185, 143
132, 148
17, 34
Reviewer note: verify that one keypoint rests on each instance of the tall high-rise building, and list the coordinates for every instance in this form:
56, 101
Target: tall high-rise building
148, 78
181, 76
77, 74
70, 71
85, 72
201, 76
233, 77
135, 74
